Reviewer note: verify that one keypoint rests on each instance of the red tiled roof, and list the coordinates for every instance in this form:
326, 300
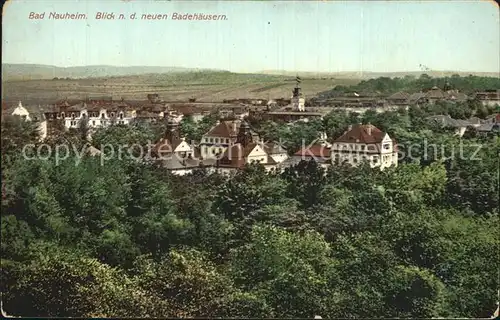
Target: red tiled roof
225, 129
361, 134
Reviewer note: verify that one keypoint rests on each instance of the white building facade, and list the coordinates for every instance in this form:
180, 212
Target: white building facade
365, 143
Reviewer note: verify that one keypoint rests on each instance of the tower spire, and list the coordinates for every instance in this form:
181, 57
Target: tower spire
298, 80
172, 132
244, 134
298, 100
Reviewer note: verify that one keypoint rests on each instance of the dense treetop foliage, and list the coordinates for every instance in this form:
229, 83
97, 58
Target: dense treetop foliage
411, 84
82, 237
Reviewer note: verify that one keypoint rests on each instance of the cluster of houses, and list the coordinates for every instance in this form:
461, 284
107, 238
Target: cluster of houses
474, 124
361, 102
96, 112
230, 145
226, 147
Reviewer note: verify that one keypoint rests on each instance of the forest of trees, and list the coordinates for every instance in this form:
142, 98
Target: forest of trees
410, 84
126, 239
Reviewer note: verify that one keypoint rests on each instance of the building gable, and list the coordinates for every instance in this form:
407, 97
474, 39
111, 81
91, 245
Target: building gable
183, 147
257, 151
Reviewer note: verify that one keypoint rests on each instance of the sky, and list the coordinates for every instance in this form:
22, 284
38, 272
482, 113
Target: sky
316, 36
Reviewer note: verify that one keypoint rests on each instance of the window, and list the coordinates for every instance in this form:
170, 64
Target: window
362, 147
112, 114
211, 140
93, 122
227, 140
62, 115
72, 116
121, 115
103, 115
213, 151
216, 140
387, 146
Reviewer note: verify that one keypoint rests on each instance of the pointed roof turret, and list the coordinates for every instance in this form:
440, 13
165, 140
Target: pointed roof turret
244, 134
172, 132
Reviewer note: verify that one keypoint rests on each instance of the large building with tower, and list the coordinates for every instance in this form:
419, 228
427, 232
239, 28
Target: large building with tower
297, 109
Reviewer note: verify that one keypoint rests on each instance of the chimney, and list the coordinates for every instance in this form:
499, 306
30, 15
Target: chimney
349, 128
369, 128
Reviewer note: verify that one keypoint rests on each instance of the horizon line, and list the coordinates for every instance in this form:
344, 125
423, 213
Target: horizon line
243, 72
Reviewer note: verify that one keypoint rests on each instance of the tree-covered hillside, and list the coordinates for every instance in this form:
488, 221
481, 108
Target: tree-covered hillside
410, 84
87, 237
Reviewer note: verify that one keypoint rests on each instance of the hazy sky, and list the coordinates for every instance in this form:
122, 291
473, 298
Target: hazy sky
325, 36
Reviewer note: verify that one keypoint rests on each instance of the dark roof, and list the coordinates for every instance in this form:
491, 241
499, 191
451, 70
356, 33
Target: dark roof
416, 96
186, 109
448, 121
401, 95
455, 95
436, 93
176, 163
227, 129
76, 107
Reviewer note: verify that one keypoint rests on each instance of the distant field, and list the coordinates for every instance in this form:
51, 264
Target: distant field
204, 86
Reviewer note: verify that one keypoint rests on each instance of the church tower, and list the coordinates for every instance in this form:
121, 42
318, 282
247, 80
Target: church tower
172, 132
244, 134
298, 99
